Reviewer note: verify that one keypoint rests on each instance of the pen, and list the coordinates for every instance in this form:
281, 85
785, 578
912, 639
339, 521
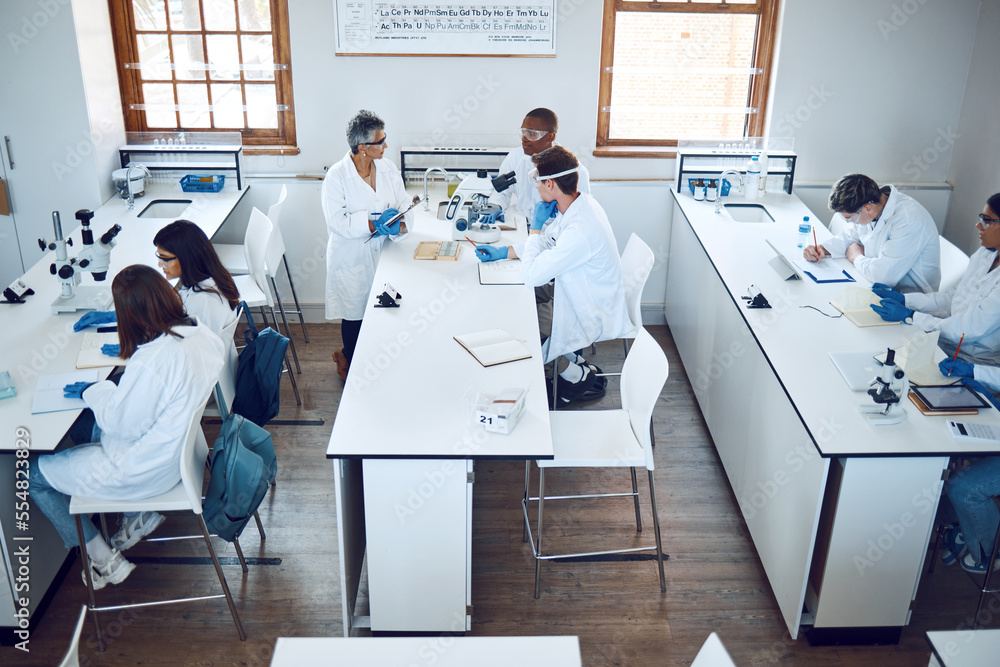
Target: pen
956, 351
470, 241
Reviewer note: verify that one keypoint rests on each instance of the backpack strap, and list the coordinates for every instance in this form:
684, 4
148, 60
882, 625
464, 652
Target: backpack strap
251, 332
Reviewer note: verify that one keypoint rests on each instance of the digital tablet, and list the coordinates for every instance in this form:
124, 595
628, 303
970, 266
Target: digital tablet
951, 397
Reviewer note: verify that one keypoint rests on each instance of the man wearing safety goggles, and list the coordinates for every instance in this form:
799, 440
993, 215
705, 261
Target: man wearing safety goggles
538, 132
570, 245
890, 239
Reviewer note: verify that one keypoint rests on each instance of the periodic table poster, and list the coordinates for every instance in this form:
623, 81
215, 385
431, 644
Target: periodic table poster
432, 27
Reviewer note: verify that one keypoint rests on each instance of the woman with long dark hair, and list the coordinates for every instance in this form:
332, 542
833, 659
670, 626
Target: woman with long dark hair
173, 365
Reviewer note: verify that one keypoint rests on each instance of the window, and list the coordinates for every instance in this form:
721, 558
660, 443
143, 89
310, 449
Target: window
683, 70
210, 65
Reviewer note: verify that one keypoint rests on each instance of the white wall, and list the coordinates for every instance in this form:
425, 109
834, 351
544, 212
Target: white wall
975, 167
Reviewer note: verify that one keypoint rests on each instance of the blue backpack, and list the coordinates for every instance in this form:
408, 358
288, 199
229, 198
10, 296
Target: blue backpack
243, 465
258, 373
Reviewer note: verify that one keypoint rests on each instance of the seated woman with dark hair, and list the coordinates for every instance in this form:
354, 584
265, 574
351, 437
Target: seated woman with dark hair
173, 365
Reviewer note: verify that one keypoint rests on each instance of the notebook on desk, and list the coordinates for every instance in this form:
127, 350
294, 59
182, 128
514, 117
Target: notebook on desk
503, 272
90, 351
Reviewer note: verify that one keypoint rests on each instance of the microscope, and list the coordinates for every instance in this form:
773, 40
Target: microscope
472, 201
887, 390
94, 258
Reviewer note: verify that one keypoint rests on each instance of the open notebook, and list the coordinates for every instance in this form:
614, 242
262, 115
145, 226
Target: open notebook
855, 303
90, 351
494, 346
917, 358
503, 272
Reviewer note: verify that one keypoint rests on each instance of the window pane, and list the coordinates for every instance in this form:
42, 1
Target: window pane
255, 15
188, 51
223, 57
184, 15
227, 104
189, 94
262, 109
681, 76
258, 50
159, 93
154, 56
149, 14
220, 14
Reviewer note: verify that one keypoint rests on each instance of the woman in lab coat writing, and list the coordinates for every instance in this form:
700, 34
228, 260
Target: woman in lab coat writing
971, 308
360, 195
173, 365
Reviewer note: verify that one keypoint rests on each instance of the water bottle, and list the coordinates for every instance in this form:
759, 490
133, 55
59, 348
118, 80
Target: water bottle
753, 178
805, 230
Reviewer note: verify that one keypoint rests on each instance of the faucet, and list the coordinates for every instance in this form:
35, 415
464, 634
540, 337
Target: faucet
722, 177
429, 170
130, 199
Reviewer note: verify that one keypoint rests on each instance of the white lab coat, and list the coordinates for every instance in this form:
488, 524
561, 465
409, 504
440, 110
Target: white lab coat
523, 193
902, 248
578, 251
209, 308
972, 308
350, 262
143, 420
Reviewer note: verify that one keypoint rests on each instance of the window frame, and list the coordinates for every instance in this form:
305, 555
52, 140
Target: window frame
763, 58
280, 140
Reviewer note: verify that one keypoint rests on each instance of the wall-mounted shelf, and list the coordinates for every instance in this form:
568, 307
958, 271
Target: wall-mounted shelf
710, 162
170, 151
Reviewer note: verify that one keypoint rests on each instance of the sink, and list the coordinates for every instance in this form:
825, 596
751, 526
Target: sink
165, 208
748, 213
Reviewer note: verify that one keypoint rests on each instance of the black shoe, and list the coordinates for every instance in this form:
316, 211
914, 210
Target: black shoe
597, 375
590, 388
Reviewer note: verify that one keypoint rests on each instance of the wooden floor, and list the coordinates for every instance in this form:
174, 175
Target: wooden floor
714, 579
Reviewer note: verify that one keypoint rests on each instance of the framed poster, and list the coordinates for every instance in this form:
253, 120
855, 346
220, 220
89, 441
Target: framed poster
435, 28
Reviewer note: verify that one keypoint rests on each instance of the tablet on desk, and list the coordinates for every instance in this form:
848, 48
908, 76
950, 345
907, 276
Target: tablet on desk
951, 397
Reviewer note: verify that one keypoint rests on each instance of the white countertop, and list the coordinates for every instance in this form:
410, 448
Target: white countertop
412, 388
796, 340
965, 648
38, 342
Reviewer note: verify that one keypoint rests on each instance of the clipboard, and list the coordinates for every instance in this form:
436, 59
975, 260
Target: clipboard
848, 278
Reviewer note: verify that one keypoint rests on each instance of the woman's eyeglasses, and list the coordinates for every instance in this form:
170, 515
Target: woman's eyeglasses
987, 221
379, 142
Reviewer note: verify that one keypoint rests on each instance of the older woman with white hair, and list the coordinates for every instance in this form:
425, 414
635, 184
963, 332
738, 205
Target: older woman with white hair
360, 195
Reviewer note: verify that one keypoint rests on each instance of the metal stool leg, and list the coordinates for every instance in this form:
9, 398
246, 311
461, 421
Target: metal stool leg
239, 554
527, 481
260, 527
291, 376
656, 530
291, 341
295, 297
538, 553
222, 579
635, 500
90, 582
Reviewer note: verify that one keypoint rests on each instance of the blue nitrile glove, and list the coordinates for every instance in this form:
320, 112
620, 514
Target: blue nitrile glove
889, 294
76, 389
884, 286
975, 384
956, 368
892, 311
491, 218
387, 215
95, 318
543, 211
490, 253
111, 349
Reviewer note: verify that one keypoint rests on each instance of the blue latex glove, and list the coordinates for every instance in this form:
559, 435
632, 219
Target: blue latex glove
957, 368
387, 230
892, 311
975, 384
491, 218
543, 211
889, 294
490, 253
95, 318
76, 389
111, 349
884, 286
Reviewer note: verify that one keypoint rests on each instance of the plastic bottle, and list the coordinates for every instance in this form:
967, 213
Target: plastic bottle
805, 232
762, 179
753, 178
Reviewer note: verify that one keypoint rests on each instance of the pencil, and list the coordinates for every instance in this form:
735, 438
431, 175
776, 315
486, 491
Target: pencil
815, 242
956, 351
470, 241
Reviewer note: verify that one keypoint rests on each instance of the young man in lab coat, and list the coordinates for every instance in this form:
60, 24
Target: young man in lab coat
538, 133
893, 240
577, 252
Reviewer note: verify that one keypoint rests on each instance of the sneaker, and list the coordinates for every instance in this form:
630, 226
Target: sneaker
954, 543
343, 365
969, 564
134, 529
115, 571
589, 388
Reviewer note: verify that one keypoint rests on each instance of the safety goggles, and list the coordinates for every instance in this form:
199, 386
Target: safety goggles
379, 142
987, 221
536, 180
533, 135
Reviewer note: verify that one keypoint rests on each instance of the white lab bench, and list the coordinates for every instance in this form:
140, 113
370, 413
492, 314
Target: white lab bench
840, 511
963, 648
36, 342
404, 439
